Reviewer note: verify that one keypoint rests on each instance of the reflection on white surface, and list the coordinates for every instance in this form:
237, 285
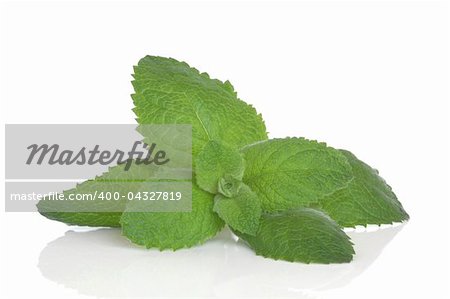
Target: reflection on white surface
102, 263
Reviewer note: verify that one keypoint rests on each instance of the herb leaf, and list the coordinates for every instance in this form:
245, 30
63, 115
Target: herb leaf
173, 230
300, 235
292, 172
366, 200
241, 212
116, 179
274, 194
219, 168
170, 92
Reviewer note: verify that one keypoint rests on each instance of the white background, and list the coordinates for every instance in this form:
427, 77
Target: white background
372, 77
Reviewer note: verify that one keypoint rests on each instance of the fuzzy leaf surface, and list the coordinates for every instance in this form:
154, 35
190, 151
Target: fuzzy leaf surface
366, 200
173, 230
168, 91
294, 172
302, 235
218, 163
241, 212
116, 179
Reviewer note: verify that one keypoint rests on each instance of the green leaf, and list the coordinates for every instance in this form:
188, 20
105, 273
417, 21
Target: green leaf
173, 230
98, 213
219, 165
229, 186
366, 200
170, 92
301, 235
292, 172
241, 212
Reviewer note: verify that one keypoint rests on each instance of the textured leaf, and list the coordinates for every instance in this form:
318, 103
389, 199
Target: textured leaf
170, 92
292, 172
301, 235
173, 230
218, 163
241, 212
115, 180
366, 200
